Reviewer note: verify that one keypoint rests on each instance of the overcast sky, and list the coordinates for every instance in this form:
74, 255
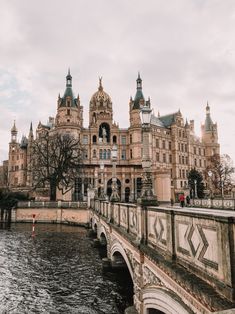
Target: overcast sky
184, 50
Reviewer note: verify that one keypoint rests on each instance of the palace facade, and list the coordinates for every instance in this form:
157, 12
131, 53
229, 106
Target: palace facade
174, 147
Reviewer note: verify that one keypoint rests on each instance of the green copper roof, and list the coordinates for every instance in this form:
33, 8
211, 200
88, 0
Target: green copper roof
168, 120
68, 92
208, 121
139, 94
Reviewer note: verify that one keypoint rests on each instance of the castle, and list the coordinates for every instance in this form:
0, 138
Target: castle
174, 147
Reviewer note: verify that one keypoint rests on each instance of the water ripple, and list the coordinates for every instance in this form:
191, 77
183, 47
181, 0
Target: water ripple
58, 271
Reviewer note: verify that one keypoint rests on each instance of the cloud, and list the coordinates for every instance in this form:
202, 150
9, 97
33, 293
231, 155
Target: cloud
184, 50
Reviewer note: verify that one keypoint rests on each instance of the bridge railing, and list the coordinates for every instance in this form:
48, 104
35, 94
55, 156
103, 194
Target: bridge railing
46, 204
201, 242
214, 203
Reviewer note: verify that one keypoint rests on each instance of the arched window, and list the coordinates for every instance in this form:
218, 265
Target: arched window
94, 139
114, 139
94, 153
105, 154
101, 154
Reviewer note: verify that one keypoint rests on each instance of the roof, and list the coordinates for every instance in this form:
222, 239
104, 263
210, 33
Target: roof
169, 119
208, 123
138, 96
68, 93
156, 121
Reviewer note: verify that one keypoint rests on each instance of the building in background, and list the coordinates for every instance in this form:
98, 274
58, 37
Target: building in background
174, 147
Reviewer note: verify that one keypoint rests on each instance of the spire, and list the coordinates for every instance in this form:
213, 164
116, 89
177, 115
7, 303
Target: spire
31, 132
100, 84
69, 79
139, 82
14, 132
208, 121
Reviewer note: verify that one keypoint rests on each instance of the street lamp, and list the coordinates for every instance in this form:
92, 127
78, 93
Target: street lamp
210, 173
147, 196
114, 196
222, 189
102, 194
195, 188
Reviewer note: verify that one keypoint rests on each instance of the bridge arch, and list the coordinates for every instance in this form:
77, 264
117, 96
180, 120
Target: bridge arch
116, 247
158, 299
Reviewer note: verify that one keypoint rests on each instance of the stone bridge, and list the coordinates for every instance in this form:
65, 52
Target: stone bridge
180, 260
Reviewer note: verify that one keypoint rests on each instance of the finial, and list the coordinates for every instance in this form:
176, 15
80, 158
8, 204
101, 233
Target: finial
100, 83
138, 74
69, 71
207, 106
31, 126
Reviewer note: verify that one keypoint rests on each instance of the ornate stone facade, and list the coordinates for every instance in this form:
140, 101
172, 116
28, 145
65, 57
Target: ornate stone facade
174, 148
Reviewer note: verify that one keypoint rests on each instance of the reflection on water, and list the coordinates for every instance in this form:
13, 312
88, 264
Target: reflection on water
58, 271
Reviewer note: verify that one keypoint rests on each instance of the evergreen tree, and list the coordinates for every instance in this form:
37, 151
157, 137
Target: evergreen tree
196, 190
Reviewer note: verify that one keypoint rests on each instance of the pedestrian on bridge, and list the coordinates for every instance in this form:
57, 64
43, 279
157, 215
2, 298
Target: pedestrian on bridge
181, 199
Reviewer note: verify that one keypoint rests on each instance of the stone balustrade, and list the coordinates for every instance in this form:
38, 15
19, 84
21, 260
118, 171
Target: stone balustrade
202, 241
228, 204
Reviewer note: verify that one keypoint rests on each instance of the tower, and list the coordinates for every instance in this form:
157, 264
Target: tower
210, 135
69, 112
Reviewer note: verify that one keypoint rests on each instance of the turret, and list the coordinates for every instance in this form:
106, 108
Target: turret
14, 132
69, 111
31, 138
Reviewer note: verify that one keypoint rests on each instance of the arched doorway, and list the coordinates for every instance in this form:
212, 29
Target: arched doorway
109, 187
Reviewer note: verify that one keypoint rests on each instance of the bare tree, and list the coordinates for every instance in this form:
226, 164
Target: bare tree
221, 170
56, 162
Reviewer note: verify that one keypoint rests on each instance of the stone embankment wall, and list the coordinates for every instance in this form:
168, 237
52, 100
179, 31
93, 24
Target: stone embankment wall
75, 213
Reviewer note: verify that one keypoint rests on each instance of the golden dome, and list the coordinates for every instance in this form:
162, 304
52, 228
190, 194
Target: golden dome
101, 98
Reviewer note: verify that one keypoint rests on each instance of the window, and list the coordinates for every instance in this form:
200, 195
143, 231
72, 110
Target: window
180, 173
94, 139
123, 140
163, 144
101, 154
105, 154
199, 151
185, 148
179, 146
131, 156
157, 157
123, 156
114, 139
200, 162
94, 153
85, 139
68, 112
170, 158
183, 173
195, 162
194, 150
170, 145
182, 159
182, 147
131, 139
108, 153
164, 157
157, 143
179, 159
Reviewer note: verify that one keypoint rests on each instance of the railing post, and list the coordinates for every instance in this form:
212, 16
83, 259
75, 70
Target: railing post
128, 219
173, 251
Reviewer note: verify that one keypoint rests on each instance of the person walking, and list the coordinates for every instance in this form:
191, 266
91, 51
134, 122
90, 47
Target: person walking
181, 199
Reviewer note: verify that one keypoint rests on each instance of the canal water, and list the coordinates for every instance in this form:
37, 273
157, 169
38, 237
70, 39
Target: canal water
57, 271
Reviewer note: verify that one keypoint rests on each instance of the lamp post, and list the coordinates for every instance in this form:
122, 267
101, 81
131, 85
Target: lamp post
102, 194
222, 189
195, 188
147, 196
210, 173
114, 195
